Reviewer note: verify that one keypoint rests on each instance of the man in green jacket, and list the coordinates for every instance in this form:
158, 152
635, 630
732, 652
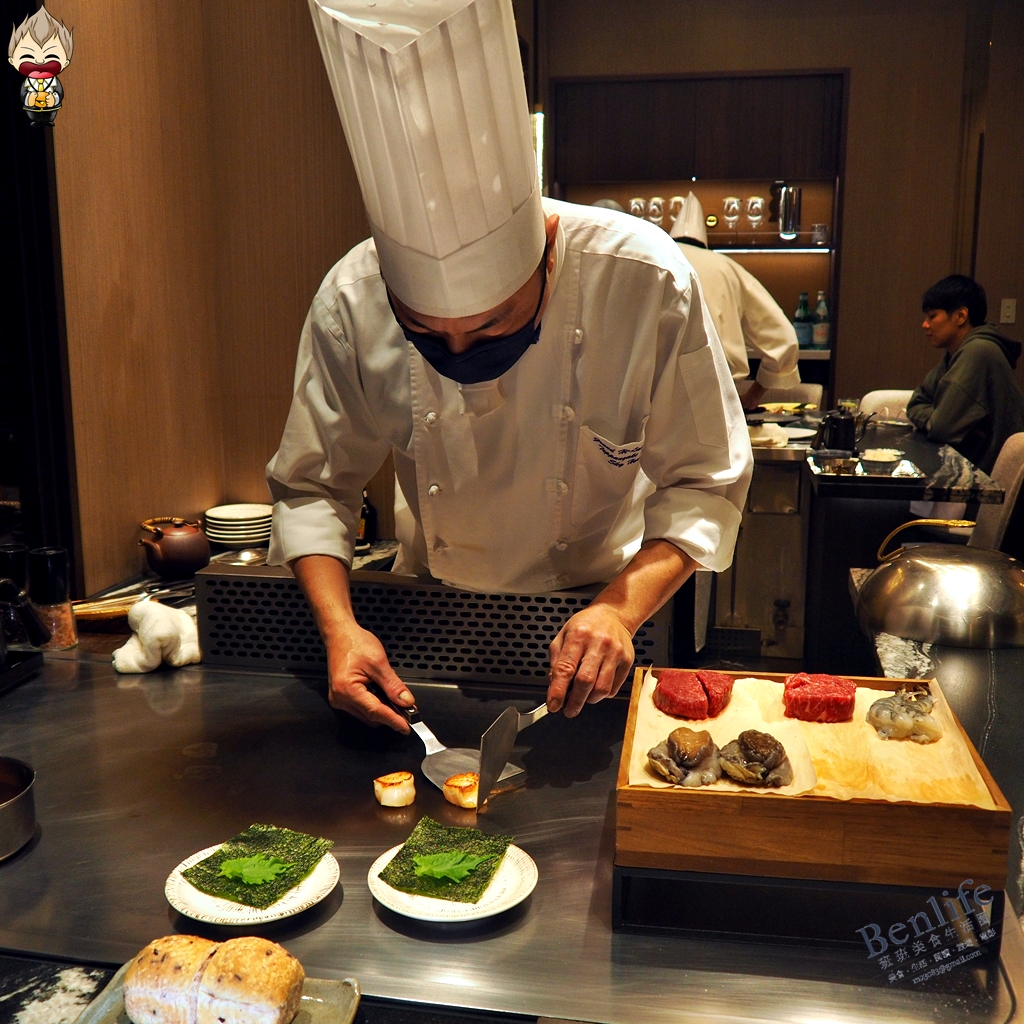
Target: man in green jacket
971, 399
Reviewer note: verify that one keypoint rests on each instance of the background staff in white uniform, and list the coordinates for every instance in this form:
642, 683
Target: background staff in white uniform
748, 319
542, 374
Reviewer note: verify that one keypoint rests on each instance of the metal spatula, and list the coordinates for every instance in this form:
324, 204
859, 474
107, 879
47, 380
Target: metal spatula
497, 742
442, 762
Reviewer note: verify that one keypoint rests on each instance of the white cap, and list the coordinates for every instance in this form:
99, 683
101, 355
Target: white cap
433, 103
690, 222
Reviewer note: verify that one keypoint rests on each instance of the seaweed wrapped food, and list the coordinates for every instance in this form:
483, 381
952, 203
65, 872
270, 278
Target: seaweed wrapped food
687, 758
756, 759
905, 715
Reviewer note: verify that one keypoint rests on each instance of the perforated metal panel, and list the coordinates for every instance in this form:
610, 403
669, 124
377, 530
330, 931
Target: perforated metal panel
258, 618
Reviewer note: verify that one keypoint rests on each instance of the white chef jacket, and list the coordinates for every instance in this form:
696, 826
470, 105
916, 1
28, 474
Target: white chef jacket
619, 425
748, 319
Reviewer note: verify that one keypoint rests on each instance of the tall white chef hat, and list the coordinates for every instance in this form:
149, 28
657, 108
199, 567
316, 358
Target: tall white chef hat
433, 103
690, 222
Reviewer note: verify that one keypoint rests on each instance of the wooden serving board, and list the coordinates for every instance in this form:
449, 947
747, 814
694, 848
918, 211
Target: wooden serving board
811, 835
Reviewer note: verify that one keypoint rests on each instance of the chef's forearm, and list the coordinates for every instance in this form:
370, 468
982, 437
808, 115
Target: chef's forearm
655, 573
325, 582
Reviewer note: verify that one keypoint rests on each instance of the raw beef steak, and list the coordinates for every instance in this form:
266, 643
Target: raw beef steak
680, 694
819, 698
718, 687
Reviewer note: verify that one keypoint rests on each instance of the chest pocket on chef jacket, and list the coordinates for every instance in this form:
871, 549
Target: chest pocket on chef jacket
701, 379
605, 472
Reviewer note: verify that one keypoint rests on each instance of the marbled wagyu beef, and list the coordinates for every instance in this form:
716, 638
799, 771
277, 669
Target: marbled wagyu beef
680, 694
701, 694
718, 687
819, 698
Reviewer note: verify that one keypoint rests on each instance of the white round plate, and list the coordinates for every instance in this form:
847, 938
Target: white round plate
256, 524
242, 542
514, 880
200, 906
240, 535
799, 433
234, 512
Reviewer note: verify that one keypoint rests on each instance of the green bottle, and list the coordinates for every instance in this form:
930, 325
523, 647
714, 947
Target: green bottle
822, 323
803, 323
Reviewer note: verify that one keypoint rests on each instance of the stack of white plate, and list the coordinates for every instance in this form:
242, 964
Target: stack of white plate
239, 526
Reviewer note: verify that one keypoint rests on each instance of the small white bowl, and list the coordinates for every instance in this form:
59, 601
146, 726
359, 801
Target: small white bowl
881, 466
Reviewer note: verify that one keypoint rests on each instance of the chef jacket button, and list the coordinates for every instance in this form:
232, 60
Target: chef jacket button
430, 419
577, 336
568, 412
433, 490
562, 488
561, 545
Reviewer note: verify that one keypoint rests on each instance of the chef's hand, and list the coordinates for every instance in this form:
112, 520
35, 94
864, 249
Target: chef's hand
592, 654
356, 659
751, 398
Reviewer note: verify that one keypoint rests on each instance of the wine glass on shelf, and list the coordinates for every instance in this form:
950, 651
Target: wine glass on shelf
675, 207
731, 210
656, 210
755, 211
637, 206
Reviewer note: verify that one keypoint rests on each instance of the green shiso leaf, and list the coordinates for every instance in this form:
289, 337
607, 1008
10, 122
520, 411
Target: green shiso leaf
454, 865
428, 839
298, 851
254, 870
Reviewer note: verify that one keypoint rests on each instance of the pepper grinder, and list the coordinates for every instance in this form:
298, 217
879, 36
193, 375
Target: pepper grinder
14, 567
29, 620
48, 589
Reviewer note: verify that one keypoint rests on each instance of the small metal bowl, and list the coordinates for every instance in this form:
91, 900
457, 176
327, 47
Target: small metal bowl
834, 460
17, 805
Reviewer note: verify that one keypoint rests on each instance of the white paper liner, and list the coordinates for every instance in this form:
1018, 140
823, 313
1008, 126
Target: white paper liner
845, 760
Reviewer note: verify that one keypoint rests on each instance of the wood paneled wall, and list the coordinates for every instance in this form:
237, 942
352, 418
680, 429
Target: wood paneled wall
903, 181
204, 190
1000, 263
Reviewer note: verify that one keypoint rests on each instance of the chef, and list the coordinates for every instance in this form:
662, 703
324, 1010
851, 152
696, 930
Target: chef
748, 319
551, 387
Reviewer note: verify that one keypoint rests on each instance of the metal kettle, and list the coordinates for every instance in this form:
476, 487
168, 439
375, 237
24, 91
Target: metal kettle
945, 594
839, 431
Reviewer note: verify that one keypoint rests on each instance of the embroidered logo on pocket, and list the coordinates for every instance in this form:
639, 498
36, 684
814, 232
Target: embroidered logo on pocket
619, 455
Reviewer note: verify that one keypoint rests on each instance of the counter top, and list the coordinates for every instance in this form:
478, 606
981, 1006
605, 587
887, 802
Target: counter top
135, 773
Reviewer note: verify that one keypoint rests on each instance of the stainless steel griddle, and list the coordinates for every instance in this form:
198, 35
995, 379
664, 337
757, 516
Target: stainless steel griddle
135, 773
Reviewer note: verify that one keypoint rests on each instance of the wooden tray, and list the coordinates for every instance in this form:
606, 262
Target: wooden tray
809, 836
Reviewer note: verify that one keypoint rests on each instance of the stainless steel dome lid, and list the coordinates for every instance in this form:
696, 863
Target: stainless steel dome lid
946, 594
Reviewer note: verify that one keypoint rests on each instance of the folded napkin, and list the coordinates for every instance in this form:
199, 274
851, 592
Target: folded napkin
159, 634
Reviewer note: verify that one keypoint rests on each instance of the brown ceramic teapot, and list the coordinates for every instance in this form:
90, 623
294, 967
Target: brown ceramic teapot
179, 548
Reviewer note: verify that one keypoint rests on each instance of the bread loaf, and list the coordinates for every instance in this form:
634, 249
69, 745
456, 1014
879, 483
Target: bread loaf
250, 981
162, 983
183, 979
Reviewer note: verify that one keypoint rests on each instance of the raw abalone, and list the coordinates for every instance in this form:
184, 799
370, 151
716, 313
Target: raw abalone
756, 759
687, 758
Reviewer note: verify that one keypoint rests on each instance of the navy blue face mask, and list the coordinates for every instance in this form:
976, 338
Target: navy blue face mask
486, 359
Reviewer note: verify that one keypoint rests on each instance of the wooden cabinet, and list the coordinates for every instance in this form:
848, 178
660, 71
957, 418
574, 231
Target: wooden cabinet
748, 127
